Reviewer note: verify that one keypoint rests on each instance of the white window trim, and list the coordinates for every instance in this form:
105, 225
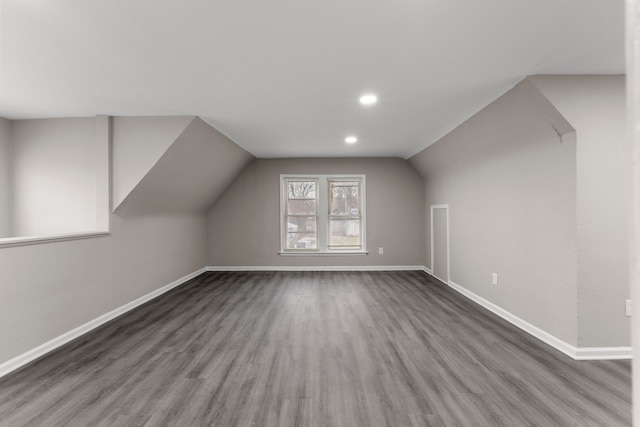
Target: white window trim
323, 216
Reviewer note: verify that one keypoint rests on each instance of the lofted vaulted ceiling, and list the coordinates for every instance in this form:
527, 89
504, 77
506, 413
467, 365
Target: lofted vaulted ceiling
282, 78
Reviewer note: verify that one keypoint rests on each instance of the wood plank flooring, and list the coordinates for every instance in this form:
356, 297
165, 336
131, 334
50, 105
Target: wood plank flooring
313, 349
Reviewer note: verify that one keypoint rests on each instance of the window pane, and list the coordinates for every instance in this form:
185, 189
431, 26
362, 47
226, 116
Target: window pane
301, 189
301, 224
301, 207
344, 232
301, 232
345, 198
301, 241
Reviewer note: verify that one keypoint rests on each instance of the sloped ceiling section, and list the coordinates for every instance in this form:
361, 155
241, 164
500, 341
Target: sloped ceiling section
138, 144
189, 176
529, 94
560, 122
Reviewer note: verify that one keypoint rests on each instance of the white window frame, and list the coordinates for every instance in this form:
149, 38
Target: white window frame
323, 215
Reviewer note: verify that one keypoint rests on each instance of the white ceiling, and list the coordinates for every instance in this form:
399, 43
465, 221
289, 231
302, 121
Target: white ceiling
282, 77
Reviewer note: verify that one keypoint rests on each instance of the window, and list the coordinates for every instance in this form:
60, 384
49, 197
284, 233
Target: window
322, 214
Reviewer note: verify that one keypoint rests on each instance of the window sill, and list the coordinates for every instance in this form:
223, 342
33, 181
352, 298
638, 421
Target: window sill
21, 241
325, 253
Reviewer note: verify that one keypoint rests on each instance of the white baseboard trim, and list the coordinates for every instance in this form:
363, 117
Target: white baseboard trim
577, 353
33, 354
427, 270
317, 268
542, 335
603, 353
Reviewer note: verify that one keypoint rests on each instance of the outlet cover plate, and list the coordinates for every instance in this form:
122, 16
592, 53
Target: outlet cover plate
627, 308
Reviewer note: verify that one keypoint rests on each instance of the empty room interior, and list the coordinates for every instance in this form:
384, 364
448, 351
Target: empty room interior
314, 214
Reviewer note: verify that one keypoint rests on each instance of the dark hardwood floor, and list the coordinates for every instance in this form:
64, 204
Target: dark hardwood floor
313, 349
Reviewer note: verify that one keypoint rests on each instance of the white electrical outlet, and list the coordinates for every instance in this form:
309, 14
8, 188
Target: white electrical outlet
380, 251
494, 279
627, 308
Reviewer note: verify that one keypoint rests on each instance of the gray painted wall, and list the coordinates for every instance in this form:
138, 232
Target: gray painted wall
243, 225
596, 106
5, 178
510, 182
53, 176
50, 289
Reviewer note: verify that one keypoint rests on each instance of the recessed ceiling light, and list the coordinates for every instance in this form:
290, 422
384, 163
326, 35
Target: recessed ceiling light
351, 140
368, 99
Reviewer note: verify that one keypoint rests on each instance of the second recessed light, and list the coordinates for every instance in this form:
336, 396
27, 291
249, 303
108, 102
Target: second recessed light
368, 99
351, 140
